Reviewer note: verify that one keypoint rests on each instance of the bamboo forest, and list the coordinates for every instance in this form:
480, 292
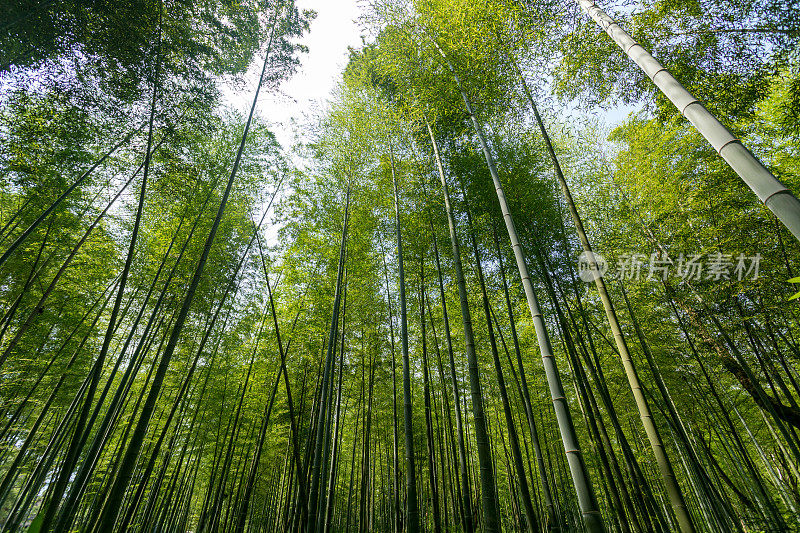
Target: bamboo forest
526, 265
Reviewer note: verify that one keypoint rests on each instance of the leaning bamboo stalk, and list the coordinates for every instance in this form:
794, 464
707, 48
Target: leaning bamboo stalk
395, 457
114, 499
552, 516
522, 482
664, 465
35, 224
464, 490
774, 194
320, 415
432, 472
587, 500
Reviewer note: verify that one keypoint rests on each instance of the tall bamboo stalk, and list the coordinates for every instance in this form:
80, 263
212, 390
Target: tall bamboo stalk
319, 436
491, 518
664, 465
112, 505
580, 475
411, 480
465, 504
522, 480
432, 473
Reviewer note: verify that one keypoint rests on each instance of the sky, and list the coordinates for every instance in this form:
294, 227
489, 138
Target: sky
332, 31
305, 93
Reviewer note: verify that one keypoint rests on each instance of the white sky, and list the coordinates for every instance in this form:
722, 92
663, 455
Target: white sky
332, 31
305, 93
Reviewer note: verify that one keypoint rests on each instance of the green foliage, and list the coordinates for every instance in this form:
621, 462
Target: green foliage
72, 88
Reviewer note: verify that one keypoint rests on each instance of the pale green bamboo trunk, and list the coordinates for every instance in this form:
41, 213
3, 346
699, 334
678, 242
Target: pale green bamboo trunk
587, 500
769, 190
664, 466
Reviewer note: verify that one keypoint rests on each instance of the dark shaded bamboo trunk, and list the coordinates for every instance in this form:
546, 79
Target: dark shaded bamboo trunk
431, 446
491, 516
464, 500
522, 480
412, 511
320, 434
